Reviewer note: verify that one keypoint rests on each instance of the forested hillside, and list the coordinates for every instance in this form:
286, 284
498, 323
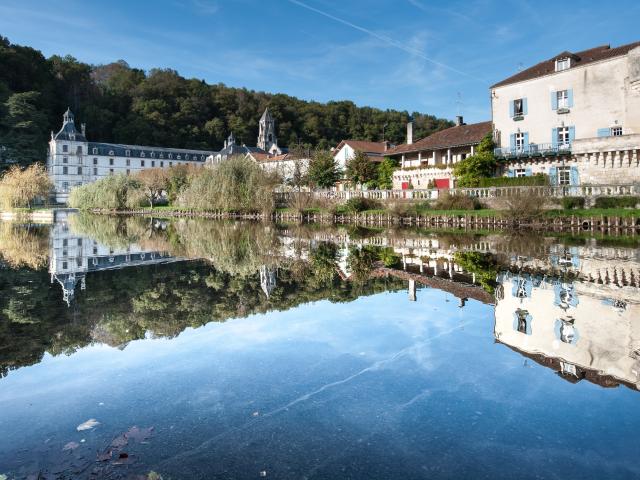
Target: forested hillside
127, 105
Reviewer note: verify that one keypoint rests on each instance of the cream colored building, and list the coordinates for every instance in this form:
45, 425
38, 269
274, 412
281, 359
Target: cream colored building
574, 117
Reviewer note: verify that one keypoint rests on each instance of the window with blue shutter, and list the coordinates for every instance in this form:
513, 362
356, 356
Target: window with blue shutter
512, 141
525, 108
574, 176
604, 132
554, 101
554, 137
553, 175
572, 134
511, 173
512, 108
526, 140
570, 97
528, 172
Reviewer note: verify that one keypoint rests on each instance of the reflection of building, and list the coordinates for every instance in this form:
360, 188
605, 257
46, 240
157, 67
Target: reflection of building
73, 256
568, 326
267, 279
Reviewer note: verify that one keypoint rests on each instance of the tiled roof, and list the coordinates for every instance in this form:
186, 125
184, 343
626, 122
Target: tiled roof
603, 52
364, 146
450, 137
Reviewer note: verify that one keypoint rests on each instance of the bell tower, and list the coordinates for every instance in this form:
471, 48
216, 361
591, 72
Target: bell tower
267, 131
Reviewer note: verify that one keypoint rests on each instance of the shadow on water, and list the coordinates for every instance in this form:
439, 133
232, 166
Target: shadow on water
569, 305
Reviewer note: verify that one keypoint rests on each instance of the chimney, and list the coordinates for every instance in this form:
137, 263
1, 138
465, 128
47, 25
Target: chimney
386, 145
459, 121
409, 133
83, 128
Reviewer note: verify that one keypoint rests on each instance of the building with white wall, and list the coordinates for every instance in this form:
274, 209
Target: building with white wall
428, 163
73, 160
574, 117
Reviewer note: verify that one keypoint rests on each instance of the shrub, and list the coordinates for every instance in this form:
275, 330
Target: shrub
569, 203
525, 205
21, 188
235, 185
359, 204
533, 180
617, 202
111, 192
447, 201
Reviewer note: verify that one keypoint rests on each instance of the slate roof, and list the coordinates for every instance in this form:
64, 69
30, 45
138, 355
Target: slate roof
451, 137
68, 130
548, 67
265, 157
153, 153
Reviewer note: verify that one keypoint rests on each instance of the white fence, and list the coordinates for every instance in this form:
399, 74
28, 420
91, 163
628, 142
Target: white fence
485, 192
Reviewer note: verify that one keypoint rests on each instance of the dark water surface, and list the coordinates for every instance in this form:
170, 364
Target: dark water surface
207, 350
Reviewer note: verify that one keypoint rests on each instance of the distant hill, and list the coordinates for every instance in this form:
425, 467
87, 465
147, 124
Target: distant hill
127, 105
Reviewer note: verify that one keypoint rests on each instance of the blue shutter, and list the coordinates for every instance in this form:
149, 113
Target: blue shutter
572, 134
554, 101
526, 141
512, 142
574, 176
528, 172
553, 176
604, 132
570, 97
512, 108
554, 137
525, 108
511, 173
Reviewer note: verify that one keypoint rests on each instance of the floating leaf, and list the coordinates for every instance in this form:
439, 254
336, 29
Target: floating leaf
88, 425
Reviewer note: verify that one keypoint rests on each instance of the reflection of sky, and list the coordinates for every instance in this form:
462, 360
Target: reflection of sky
377, 388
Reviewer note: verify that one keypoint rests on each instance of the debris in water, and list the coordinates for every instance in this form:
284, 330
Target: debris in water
70, 446
255, 414
88, 425
263, 473
140, 435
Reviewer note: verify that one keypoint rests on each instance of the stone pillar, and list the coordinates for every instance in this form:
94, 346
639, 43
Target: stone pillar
412, 291
473, 150
448, 156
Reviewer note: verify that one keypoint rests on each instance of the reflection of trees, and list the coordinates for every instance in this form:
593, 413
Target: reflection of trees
22, 246
483, 265
361, 262
163, 299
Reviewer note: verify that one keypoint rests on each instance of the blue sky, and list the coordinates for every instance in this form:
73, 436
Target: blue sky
431, 56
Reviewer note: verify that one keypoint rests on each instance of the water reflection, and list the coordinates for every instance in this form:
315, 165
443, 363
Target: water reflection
397, 370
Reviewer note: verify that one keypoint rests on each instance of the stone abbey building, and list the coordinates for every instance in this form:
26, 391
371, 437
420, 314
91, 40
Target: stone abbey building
74, 161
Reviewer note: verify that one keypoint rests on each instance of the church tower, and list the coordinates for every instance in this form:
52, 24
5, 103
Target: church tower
267, 134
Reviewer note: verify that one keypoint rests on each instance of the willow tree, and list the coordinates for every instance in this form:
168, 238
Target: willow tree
20, 188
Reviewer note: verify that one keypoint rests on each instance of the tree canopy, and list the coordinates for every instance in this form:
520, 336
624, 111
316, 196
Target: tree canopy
122, 104
480, 165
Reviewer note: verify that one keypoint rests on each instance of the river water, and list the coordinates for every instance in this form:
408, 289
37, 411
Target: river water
147, 348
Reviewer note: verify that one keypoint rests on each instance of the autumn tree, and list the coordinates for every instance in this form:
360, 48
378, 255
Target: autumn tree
153, 182
20, 188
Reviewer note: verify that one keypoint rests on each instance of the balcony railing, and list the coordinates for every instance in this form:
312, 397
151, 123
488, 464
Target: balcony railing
534, 150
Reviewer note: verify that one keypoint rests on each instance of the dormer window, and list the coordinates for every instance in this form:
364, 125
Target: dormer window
95, 151
161, 155
111, 152
178, 157
170, 155
563, 64
153, 154
127, 153
142, 155
65, 148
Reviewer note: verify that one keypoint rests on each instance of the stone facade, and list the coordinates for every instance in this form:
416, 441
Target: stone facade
73, 160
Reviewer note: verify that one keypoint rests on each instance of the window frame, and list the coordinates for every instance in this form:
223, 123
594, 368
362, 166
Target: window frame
616, 131
563, 64
564, 175
562, 97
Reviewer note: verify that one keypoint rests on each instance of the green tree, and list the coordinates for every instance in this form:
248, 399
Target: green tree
361, 170
482, 164
385, 173
323, 171
22, 128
